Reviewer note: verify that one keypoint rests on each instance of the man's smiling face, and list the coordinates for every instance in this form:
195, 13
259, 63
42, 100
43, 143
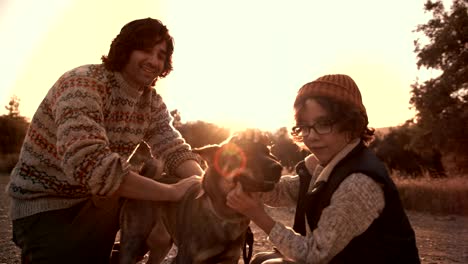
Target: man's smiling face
144, 66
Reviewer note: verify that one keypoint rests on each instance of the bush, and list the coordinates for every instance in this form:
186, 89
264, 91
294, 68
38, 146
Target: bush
13, 133
8, 162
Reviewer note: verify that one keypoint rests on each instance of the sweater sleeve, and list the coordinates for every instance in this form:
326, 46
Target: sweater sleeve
356, 203
165, 141
82, 142
286, 191
284, 194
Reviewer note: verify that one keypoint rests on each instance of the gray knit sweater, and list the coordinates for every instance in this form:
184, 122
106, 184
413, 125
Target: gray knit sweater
81, 136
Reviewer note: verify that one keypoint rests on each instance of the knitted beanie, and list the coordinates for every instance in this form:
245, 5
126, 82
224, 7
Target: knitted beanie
336, 86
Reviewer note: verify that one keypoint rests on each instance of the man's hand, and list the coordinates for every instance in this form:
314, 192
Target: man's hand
181, 187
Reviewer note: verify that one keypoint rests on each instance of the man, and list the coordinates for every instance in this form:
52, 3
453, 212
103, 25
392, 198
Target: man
73, 165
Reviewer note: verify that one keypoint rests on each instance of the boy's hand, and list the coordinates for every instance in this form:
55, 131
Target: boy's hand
246, 203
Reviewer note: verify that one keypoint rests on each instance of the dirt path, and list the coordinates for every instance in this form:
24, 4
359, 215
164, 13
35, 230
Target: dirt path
441, 239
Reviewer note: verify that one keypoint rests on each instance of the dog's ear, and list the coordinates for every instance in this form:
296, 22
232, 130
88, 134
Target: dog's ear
207, 152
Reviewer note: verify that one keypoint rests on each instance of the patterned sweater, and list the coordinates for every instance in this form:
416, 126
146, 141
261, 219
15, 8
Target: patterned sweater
81, 136
356, 203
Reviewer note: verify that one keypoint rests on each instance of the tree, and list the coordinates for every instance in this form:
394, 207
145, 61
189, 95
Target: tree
14, 127
199, 133
284, 148
13, 106
442, 102
397, 150
177, 119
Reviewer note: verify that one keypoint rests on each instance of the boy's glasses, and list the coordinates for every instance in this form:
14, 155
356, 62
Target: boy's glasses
321, 128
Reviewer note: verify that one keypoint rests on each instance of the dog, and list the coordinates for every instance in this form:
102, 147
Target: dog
202, 227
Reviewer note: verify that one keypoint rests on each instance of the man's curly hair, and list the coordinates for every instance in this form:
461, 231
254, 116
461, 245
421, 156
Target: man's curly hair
139, 34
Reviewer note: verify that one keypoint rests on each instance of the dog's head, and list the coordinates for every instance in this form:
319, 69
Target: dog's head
244, 158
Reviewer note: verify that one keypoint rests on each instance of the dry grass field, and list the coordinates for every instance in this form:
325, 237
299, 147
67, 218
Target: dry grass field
437, 196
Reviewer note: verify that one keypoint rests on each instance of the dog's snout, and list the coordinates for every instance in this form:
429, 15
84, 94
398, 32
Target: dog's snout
275, 171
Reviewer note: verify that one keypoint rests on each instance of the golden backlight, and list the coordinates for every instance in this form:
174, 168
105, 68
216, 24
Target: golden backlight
236, 63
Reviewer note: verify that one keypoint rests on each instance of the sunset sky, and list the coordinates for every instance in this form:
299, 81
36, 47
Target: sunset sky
236, 63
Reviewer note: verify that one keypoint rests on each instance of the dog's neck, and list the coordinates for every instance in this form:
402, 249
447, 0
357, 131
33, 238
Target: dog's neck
217, 198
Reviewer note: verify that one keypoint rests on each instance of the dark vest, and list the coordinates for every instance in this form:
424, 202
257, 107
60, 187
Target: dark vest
389, 239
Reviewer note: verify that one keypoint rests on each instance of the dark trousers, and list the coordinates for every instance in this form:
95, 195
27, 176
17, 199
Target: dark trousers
84, 233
